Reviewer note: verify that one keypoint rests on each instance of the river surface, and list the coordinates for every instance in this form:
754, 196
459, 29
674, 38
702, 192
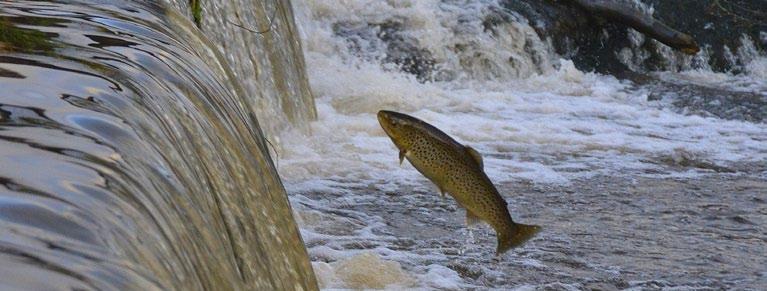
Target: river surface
654, 183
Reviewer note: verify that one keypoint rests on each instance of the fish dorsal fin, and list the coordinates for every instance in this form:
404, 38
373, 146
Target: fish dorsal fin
475, 154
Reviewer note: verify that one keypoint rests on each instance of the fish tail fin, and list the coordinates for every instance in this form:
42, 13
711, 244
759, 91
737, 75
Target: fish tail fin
515, 236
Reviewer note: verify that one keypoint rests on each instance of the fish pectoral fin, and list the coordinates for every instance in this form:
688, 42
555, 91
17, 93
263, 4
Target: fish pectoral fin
402, 154
471, 219
475, 154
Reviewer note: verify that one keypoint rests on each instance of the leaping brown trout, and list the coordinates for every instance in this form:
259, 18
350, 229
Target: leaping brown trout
457, 170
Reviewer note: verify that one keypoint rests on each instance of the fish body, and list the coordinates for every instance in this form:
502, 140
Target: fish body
457, 170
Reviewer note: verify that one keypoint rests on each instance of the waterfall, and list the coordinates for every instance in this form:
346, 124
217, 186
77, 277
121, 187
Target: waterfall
131, 152
260, 42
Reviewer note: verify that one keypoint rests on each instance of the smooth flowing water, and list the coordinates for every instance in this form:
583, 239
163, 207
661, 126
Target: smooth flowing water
131, 157
653, 184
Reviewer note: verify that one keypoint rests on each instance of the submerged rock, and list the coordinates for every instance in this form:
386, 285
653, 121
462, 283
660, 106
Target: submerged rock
594, 43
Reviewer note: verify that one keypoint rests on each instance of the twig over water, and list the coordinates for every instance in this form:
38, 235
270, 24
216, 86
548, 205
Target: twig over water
269, 28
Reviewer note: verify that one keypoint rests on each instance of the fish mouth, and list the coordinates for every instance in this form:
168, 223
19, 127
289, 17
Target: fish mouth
392, 122
385, 119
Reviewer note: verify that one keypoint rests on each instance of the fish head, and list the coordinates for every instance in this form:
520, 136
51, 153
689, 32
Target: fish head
397, 125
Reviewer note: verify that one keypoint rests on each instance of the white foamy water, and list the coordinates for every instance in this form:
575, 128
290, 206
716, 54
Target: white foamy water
535, 118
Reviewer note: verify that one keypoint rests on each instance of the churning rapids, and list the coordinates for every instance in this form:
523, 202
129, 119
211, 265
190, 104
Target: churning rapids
645, 185
134, 150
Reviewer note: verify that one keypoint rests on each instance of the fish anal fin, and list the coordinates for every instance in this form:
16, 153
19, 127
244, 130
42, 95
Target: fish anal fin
402, 154
477, 157
441, 191
471, 219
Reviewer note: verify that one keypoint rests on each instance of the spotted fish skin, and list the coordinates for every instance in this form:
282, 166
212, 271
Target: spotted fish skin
457, 170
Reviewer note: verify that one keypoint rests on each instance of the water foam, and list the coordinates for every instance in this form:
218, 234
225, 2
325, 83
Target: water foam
534, 117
